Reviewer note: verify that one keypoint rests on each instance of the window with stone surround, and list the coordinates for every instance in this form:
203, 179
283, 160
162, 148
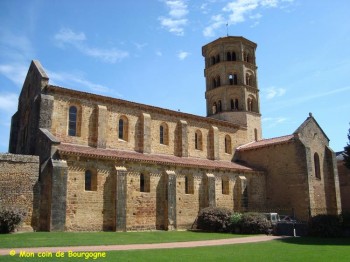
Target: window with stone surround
225, 186
189, 184
123, 128
144, 183
74, 115
317, 166
163, 134
90, 180
228, 147
198, 140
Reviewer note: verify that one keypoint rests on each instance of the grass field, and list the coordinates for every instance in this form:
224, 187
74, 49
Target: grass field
291, 249
60, 239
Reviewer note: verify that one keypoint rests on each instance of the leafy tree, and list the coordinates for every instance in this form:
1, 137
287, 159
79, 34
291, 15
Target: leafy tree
346, 152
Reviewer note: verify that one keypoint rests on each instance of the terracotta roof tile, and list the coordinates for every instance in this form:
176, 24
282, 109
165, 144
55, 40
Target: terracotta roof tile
70, 149
266, 142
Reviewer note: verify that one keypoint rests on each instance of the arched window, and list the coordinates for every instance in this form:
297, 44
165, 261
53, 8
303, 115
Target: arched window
214, 109
228, 56
317, 166
246, 57
217, 59
228, 148
233, 56
225, 186
234, 104
73, 121
218, 81
247, 79
163, 134
144, 182
214, 83
213, 60
123, 128
90, 180
198, 140
250, 104
230, 79
219, 106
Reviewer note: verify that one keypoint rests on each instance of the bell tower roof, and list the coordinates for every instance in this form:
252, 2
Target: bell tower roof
227, 39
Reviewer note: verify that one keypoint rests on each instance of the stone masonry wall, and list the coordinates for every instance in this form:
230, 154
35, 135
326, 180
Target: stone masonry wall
19, 187
88, 132
344, 180
286, 176
149, 210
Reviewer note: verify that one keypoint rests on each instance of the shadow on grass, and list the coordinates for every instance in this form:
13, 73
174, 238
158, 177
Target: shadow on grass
316, 241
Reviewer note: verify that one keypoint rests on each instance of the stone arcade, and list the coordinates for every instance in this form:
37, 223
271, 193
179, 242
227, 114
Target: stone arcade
101, 163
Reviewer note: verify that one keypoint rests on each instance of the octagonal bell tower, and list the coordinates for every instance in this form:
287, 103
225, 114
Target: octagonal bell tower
232, 92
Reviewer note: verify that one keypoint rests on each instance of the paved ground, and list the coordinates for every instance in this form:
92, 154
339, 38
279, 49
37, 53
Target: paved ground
202, 243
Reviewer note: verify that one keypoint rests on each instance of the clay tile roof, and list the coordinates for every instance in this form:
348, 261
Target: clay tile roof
69, 149
266, 142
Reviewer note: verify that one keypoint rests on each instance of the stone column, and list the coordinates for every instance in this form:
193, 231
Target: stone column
183, 139
214, 142
171, 185
58, 195
121, 198
101, 126
211, 190
146, 138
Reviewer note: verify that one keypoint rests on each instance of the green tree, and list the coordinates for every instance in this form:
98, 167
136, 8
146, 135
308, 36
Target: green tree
346, 152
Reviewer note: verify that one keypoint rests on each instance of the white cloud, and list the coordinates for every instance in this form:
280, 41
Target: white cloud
216, 22
15, 72
67, 79
140, 46
182, 55
176, 20
159, 53
8, 102
270, 122
67, 36
240, 11
272, 92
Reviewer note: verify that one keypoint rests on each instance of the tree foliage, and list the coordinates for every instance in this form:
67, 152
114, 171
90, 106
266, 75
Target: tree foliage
346, 153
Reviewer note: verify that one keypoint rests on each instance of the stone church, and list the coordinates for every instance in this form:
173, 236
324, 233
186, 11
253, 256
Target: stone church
87, 162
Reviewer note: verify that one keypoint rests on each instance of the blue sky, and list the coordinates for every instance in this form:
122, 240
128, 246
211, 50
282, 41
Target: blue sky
150, 52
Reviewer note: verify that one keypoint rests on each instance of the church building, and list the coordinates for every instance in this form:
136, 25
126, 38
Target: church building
109, 164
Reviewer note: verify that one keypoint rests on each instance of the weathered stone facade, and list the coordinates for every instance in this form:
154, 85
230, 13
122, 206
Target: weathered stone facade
111, 164
344, 182
19, 186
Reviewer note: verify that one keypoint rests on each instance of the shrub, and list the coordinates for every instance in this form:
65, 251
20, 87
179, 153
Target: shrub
214, 219
235, 222
325, 226
345, 219
10, 218
254, 223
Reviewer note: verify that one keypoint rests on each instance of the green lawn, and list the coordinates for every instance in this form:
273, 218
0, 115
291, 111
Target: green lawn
291, 249
57, 239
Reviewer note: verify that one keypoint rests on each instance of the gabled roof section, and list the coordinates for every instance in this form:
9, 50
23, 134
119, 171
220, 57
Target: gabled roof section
266, 142
111, 154
37, 65
306, 122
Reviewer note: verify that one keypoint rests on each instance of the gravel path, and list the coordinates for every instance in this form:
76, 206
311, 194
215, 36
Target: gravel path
202, 243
